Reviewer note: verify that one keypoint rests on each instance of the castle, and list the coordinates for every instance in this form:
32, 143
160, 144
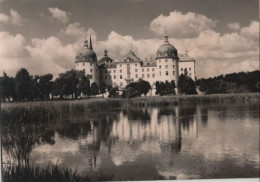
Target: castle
168, 65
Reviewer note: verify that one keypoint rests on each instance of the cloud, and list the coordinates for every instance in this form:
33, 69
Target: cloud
234, 26
14, 18
73, 30
59, 15
181, 25
214, 53
4, 18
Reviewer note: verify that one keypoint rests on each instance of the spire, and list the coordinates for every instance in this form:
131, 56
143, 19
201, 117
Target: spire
131, 46
90, 42
105, 52
86, 42
166, 37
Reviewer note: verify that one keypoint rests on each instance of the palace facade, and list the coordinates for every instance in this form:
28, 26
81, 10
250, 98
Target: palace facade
167, 65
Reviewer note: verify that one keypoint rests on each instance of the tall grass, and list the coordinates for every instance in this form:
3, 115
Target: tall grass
50, 174
195, 99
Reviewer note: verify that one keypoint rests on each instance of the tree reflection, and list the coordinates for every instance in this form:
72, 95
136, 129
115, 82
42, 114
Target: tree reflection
186, 115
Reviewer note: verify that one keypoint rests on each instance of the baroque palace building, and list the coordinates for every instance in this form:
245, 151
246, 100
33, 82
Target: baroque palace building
167, 65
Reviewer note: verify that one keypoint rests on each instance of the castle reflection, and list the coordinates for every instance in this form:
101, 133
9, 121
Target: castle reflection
132, 128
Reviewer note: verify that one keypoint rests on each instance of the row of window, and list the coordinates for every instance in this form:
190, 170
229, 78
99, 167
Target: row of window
185, 68
84, 64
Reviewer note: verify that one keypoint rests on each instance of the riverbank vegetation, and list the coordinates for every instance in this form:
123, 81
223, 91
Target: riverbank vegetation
75, 84
242, 82
50, 174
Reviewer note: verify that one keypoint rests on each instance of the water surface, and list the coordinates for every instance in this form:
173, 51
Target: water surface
173, 142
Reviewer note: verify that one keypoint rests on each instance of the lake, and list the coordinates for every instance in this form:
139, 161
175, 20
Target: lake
145, 143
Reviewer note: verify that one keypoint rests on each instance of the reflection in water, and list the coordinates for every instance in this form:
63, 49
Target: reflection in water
180, 142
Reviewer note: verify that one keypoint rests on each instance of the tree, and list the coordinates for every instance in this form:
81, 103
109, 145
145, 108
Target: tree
22, 84
94, 88
165, 88
46, 86
67, 84
35, 89
84, 86
186, 85
144, 87
7, 90
113, 92
140, 87
130, 92
102, 88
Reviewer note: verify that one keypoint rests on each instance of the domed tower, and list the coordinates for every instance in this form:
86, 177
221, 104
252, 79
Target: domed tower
106, 65
86, 60
167, 62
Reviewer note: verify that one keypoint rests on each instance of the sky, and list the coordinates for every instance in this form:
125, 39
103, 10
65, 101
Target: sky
44, 36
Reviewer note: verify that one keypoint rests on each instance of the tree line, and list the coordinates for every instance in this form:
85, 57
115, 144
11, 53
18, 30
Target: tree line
74, 84
25, 87
242, 82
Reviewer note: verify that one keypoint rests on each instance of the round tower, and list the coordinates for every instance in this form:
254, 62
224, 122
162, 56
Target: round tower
167, 62
86, 60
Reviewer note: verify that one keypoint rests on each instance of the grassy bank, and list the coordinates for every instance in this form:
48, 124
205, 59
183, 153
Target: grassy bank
42, 110
196, 99
50, 174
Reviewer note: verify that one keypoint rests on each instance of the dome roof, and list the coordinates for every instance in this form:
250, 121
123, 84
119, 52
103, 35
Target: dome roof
86, 54
105, 59
166, 50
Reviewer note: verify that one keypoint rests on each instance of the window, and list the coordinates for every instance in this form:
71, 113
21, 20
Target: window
181, 69
142, 70
90, 64
189, 74
114, 76
83, 64
120, 65
121, 77
160, 73
136, 76
189, 69
84, 70
166, 60
153, 75
173, 66
135, 70
166, 66
105, 77
105, 71
143, 75
159, 61
148, 75
167, 73
77, 64
109, 71
90, 76
90, 70
121, 83
173, 72
147, 69
135, 64
160, 67
152, 69
120, 71
114, 71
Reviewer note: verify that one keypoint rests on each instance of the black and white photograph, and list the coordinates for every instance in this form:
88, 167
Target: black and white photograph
129, 90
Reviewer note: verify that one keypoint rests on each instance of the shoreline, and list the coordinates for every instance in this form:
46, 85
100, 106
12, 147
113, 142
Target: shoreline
58, 107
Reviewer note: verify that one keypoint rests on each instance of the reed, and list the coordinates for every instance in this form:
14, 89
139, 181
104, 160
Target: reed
49, 174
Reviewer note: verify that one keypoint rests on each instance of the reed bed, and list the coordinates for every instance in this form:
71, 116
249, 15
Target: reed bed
45, 110
195, 99
49, 174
